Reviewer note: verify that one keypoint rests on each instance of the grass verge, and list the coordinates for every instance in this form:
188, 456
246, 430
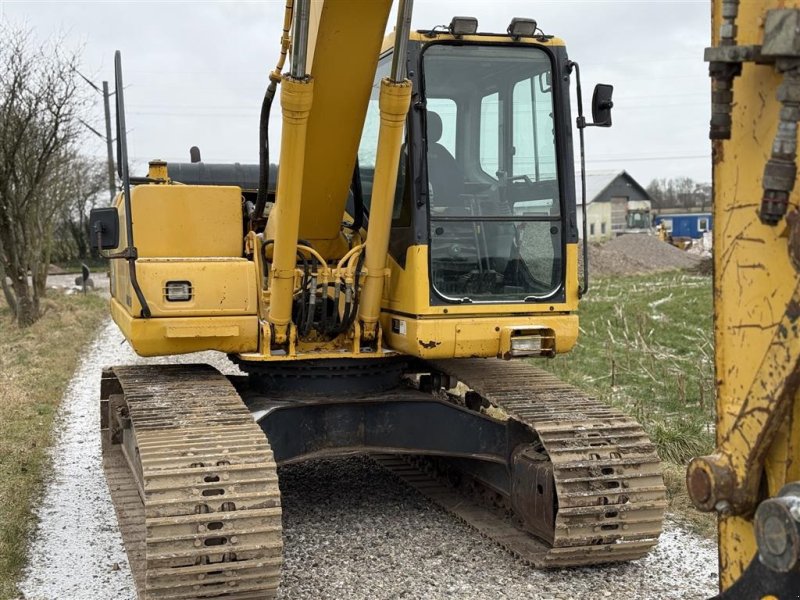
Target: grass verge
35, 367
646, 347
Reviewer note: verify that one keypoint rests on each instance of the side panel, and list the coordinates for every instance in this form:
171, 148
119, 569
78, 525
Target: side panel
187, 234
187, 220
219, 287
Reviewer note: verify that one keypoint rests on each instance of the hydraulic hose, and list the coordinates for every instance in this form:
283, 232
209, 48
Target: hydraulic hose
263, 126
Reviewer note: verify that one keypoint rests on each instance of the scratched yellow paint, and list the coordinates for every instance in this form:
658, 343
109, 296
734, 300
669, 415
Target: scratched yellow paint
753, 276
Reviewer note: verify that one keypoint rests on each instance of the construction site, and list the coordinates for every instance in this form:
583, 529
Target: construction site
413, 343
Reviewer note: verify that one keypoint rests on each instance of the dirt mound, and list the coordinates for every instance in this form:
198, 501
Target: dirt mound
630, 254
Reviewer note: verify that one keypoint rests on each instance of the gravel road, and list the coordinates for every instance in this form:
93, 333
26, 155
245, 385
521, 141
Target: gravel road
351, 530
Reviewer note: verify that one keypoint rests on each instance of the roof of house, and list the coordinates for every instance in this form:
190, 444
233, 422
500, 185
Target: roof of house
598, 181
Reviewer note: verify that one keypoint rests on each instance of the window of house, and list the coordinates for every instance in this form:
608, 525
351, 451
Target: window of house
702, 225
591, 229
603, 228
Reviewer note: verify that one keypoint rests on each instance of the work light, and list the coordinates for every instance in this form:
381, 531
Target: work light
463, 26
521, 27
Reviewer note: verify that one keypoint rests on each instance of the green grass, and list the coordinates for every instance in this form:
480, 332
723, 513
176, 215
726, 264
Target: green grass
35, 366
646, 347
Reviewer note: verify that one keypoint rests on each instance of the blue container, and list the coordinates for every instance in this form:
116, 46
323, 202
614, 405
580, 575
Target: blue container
689, 225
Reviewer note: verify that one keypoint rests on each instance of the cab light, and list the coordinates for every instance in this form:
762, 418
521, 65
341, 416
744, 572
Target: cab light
463, 26
178, 291
521, 27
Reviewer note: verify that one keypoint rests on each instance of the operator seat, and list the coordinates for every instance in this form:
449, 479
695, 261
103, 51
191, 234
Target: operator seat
445, 178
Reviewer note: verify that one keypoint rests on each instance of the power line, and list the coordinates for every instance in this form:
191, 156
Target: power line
651, 158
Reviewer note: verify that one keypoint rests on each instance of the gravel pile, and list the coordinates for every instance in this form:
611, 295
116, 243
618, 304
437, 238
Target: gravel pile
631, 254
351, 531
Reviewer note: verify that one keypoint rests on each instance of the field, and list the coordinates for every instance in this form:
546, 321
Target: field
646, 347
35, 366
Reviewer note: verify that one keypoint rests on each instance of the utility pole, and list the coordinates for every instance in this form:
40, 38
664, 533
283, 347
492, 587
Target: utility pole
112, 181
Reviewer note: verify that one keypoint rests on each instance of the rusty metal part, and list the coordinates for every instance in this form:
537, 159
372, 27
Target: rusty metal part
606, 475
728, 481
194, 484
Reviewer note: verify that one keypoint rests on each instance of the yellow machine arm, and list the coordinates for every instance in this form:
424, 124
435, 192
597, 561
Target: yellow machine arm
751, 480
323, 116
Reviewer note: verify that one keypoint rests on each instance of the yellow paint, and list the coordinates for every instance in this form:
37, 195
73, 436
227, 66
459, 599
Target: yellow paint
394, 102
753, 276
296, 101
438, 36
345, 56
179, 335
187, 220
409, 290
195, 233
157, 169
463, 337
225, 286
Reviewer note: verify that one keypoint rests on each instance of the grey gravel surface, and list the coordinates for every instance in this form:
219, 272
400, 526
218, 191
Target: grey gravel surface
351, 530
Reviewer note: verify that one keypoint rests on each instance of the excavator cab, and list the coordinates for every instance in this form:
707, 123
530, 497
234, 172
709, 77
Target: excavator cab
486, 172
495, 211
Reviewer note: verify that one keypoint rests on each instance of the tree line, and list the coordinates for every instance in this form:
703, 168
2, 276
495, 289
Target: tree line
680, 192
47, 187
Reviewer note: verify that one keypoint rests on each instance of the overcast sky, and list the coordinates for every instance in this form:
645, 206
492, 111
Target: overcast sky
195, 72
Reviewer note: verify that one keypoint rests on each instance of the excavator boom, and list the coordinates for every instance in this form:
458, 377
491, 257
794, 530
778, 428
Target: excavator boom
751, 480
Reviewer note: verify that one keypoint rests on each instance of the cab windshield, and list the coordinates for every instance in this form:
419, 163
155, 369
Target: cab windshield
495, 222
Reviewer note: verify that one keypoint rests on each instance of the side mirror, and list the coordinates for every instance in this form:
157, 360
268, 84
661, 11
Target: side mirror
602, 104
104, 228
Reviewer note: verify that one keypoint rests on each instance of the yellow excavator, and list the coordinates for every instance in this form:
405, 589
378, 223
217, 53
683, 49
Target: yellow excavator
752, 480
380, 290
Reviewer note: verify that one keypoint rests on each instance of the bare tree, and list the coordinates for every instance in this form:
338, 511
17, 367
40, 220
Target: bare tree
39, 128
82, 186
679, 192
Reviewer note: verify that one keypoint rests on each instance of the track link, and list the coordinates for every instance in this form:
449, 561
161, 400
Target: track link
607, 474
194, 484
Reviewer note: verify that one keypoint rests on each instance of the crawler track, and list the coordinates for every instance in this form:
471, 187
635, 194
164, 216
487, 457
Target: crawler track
193, 482
611, 496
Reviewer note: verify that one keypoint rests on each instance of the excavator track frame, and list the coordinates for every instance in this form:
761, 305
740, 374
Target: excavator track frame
606, 472
583, 479
193, 482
